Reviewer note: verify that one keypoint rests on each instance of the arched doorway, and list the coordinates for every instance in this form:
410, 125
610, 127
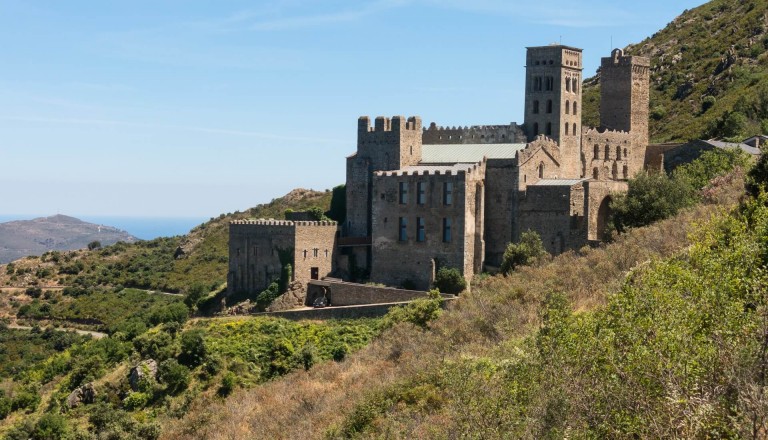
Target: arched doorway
603, 214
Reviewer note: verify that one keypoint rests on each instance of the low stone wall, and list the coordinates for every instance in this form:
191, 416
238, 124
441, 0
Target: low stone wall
352, 294
348, 312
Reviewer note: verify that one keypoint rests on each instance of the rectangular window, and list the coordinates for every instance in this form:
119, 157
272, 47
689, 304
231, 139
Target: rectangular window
421, 195
446, 230
403, 229
420, 232
447, 193
403, 193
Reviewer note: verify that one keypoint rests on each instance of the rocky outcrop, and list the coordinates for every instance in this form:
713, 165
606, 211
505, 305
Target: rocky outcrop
85, 394
293, 298
145, 370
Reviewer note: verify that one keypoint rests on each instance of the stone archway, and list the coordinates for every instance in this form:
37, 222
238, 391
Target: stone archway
603, 215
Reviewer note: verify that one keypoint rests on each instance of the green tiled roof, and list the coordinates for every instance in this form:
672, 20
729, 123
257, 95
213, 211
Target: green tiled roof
467, 153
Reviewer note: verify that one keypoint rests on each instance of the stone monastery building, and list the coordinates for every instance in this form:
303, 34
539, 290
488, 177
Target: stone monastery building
423, 198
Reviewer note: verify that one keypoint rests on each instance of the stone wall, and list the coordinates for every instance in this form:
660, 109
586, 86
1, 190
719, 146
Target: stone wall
556, 213
501, 194
609, 154
256, 247
352, 294
396, 261
315, 250
597, 198
476, 134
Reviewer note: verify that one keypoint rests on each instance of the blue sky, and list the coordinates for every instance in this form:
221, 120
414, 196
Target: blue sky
191, 108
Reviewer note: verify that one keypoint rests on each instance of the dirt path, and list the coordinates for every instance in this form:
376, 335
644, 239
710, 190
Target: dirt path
95, 335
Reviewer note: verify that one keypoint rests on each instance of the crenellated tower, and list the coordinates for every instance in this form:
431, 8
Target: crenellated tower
624, 100
389, 145
553, 101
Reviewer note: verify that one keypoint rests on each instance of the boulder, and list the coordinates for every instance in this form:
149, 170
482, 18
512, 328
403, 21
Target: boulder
84, 394
145, 369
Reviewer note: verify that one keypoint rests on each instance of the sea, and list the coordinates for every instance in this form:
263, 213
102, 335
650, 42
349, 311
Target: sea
145, 228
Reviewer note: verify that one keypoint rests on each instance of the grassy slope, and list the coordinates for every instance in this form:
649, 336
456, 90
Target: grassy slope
717, 50
168, 264
500, 312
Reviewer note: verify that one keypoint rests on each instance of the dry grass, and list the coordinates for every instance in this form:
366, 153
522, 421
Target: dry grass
306, 404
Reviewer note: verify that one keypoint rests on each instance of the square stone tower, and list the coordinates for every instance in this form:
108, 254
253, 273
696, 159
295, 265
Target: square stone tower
624, 100
389, 145
553, 101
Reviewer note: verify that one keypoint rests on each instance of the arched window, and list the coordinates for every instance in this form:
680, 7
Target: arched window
575, 86
595, 173
566, 129
575, 107
618, 153
549, 106
615, 171
607, 152
626, 172
541, 170
568, 107
536, 129
597, 151
536, 107
549, 129
625, 153
574, 129
567, 84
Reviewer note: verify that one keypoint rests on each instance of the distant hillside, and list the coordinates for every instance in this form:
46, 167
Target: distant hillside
709, 73
170, 264
56, 233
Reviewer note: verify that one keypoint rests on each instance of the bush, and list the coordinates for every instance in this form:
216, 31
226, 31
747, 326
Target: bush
228, 384
757, 178
174, 312
194, 295
707, 103
419, 312
94, 245
193, 351
136, 400
174, 375
265, 298
155, 345
529, 251
450, 280
650, 197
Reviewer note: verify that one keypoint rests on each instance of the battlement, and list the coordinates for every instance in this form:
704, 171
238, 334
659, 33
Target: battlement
272, 222
618, 58
467, 170
382, 124
593, 131
475, 134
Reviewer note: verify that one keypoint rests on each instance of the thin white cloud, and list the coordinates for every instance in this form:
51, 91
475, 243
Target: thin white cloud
212, 130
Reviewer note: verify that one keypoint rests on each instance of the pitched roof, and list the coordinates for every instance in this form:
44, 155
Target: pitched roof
467, 153
733, 145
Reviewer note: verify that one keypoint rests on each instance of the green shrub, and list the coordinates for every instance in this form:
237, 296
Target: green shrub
650, 197
450, 280
529, 251
136, 400
265, 298
228, 384
192, 350
155, 345
419, 312
174, 375
308, 356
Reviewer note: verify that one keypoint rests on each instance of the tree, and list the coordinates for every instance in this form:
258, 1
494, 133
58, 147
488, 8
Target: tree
174, 375
450, 280
94, 245
650, 197
195, 294
529, 251
193, 351
338, 211
757, 178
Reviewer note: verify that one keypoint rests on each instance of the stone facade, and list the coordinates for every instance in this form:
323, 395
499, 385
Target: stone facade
425, 218
259, 249
550, 175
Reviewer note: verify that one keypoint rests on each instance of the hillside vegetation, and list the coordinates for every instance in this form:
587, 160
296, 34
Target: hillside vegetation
709, 74
586, 345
